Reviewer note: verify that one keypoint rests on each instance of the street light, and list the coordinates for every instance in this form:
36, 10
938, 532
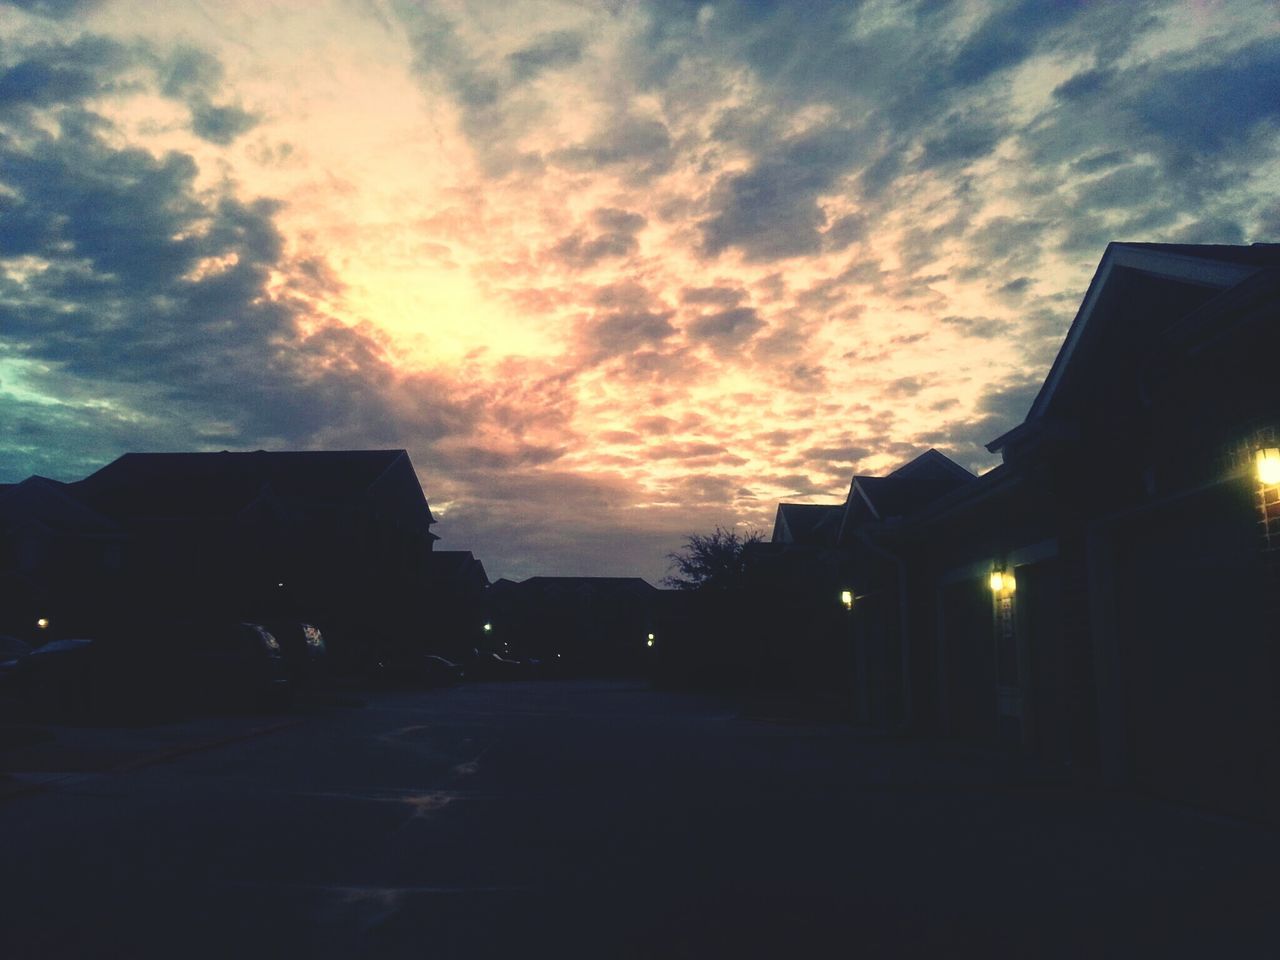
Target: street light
846, 598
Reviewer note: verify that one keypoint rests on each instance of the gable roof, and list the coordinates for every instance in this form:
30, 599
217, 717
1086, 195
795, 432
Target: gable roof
807, 524
220, 484
906, 489
1201, 272
50, 504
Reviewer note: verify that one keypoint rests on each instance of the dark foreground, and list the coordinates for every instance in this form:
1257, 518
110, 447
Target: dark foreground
606, 820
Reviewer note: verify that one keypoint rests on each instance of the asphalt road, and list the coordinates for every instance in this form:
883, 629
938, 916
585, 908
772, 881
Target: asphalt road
610, 821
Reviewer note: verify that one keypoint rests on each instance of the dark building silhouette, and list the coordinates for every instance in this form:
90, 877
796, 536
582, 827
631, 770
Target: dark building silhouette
585, 625
1107, 598
342, 537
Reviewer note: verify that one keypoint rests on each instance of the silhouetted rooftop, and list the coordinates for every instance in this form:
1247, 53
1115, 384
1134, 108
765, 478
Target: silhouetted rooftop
213, 484
807, 524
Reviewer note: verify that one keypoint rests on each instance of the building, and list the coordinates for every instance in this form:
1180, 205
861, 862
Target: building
1106, 598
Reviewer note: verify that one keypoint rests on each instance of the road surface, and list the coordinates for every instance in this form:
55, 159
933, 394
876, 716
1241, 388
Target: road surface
606, 820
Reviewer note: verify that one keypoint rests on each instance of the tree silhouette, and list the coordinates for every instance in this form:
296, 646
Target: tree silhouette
712, 561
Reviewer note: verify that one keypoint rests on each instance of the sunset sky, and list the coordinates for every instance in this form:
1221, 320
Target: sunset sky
611, 272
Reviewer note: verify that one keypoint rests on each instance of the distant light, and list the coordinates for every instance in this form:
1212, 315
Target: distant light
488, 628
649, 642
997, 581
43, 623
280, 584
846, 598
1269, 466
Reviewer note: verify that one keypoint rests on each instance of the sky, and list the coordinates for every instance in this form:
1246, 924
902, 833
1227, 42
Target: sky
611, 272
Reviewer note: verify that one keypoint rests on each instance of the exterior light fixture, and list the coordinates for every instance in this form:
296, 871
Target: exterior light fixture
1002, 581
1268, 460
488, 628
846, 598
43, 623
649, 642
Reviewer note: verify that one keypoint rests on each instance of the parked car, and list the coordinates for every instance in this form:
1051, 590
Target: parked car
408, 668
154, 670
236, 664
79, 678
303, 648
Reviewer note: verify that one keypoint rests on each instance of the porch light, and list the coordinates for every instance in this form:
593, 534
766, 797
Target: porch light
1002, 581
846, 598
488, 628
1269, 466
43, 623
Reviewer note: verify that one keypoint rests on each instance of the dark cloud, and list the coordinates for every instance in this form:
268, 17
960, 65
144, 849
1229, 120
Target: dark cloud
727, 329
713, 296
904, 387
624, 333
962, 140
152, 303
771, 212
982, 328
642, 143
54, 9
617, 239
220, 125
550, 51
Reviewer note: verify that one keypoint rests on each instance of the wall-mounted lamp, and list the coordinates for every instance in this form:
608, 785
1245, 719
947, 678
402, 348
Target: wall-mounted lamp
1268, 460
1002, 581
846, 599
43, 623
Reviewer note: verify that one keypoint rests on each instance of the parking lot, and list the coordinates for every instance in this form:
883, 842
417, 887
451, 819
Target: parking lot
586, 818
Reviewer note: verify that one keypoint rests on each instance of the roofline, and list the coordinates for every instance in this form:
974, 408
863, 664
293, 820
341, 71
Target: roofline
1206, 271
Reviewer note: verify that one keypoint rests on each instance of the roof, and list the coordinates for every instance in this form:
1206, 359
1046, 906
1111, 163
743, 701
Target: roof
907, 489
637, 584
215, 484
50, 503
454, 564
807, 524
1200, 271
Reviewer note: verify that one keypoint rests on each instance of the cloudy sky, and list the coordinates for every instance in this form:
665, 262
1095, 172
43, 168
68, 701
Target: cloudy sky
611, 271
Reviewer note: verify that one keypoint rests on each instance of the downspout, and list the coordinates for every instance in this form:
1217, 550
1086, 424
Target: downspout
901, 568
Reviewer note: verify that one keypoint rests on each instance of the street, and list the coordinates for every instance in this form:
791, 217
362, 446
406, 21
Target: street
604, 819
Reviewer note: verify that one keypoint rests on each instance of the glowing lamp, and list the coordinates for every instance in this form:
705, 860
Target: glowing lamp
1269, 466
1002, 581
846, 598
650, 637
488, 628
649, 642
43, 623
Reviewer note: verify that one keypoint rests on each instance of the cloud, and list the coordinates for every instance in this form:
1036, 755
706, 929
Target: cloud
725, 329
220, 125
771, 212
549, 51
618, 239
